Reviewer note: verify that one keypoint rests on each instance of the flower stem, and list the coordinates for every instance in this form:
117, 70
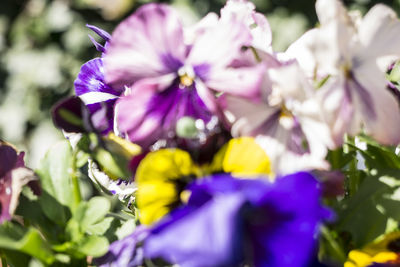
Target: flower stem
75, 180
336, 249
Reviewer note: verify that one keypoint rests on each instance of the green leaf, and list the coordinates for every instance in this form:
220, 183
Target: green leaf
339, 159
55, 176
114, 165
32, 213
91, 212
126, 229
15, 258
29, 241
378, 156
53, 209
101, 227
368, 213
394, 75
95, 246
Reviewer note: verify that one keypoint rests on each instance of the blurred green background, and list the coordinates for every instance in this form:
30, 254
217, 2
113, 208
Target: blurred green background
43, 43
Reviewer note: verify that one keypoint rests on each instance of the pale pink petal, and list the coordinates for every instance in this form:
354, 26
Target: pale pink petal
147, 44
218, 46
131, 109
244, 11
262, 34
245, 81
248, 116
191, 33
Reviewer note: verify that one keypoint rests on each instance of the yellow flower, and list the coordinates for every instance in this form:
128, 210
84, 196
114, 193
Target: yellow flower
381, 251
163, 175
158, 178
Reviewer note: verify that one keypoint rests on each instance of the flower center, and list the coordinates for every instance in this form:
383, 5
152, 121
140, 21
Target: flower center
286, 118
186, 76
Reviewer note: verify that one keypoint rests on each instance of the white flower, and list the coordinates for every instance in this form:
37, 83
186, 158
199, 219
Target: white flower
287, 122
354, 54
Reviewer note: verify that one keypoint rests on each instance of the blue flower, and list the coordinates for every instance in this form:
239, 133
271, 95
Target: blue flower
230, 222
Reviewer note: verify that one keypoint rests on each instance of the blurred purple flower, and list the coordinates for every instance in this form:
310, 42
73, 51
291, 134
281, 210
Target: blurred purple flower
13, 175
169, 79
229, 221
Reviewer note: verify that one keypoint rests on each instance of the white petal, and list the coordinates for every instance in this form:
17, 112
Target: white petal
303, 50
291, 82
385, 128
247, 114
379, 33
96, 97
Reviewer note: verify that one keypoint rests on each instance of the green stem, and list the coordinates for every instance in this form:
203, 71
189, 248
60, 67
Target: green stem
354, 178
336, 249
75, 180
257, 57
335, 158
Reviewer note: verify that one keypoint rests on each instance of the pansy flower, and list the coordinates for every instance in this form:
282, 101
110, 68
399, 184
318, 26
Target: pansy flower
168, 79
353, 56
233, 222
163, 175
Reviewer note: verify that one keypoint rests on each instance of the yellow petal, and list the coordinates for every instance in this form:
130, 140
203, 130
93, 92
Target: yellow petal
384, 257
157, 179
242, 157
360, 258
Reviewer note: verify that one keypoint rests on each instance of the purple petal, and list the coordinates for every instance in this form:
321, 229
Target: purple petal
147, 44
91, 80
8, 158
149, 114
98, 96
103, 115
365, 98
229, 221
98, 46
5, 196
125, 252
100, 32
208, 236
69, 115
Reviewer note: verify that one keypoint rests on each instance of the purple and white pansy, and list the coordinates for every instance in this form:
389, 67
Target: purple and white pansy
169, 79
